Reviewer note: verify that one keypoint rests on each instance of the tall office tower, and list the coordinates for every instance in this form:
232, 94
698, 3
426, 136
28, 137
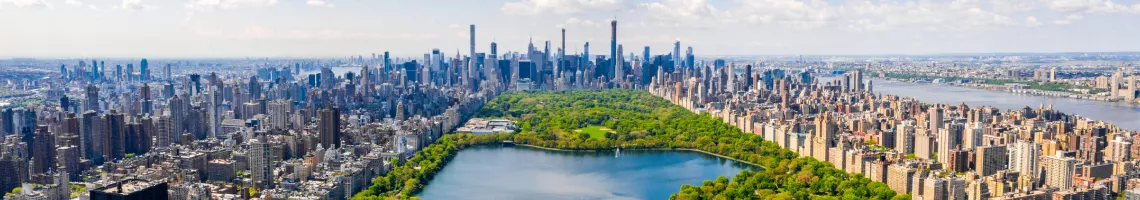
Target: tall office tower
935, 120
1059, 171
261, 163
215, 110
27, 127
613, 41
400, 110
990, 159
279, 114
166, 73
119, 73
164, 133
562, 52
330, 126
177, 108
619, 73
143, 73
677, 54
7, 122
586, 53
904, 137
689, 58
43, 150
949, 138
147, 104
387, 62
92, 101
471, 55
494, 48
115, 147
130, 73
645, 55
748, 77
255, 87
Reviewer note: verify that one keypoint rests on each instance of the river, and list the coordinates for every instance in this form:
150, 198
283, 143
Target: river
491, 172
1121, 114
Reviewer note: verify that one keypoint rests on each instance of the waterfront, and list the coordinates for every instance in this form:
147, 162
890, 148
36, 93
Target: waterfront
1121, 114
490, 172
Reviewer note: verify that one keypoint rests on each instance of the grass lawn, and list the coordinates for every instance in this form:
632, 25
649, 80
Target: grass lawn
596, 132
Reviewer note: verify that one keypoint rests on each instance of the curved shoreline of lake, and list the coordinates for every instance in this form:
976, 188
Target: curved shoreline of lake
492, 172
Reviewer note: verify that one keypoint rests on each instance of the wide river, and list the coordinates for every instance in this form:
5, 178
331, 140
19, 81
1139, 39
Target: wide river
492, 172
1121, 114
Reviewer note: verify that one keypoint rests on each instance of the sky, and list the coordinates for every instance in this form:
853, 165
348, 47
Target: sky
339, 28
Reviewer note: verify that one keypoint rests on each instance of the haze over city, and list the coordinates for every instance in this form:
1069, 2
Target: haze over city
335, 28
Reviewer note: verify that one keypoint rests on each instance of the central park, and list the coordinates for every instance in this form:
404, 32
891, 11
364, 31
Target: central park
635, 120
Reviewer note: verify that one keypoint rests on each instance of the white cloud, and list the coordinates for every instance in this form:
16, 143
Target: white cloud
1089, 6
536, 7
1069, 19
1031, 21
795, 13
206, 5
680, 10
37, 4
319, 3
262, 33
135, 5
957, 15
73, 2
582, 22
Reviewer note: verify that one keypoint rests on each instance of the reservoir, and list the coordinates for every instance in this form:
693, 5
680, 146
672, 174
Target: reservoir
1121, 114
493, 172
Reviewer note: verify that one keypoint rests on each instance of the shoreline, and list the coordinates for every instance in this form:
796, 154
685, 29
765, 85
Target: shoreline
648, 149
1123, 103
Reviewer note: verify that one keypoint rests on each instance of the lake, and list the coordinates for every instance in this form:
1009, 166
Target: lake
493, 172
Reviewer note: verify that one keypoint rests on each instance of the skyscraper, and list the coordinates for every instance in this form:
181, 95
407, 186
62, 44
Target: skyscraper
143, 73
260, 162
92, 101
562, 53
471, 58
677, 54
613, 42
330, 126
1059, 171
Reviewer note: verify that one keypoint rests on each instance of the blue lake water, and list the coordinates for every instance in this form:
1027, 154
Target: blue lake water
492, 172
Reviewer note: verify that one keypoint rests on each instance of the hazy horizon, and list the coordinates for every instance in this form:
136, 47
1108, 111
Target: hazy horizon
341, 28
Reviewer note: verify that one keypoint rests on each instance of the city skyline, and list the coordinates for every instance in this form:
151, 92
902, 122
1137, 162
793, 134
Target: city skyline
336, 28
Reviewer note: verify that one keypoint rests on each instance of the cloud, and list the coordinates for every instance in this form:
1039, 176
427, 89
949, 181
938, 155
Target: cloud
957, 15
36, 4
262, 33
536, 7
135, 5
1031, 21
1068, 19
680, 9
208, 5
73, 2
319, 3
804, 14
582, 22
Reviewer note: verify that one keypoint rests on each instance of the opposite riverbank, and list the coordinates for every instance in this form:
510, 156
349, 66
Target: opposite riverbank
649, 149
